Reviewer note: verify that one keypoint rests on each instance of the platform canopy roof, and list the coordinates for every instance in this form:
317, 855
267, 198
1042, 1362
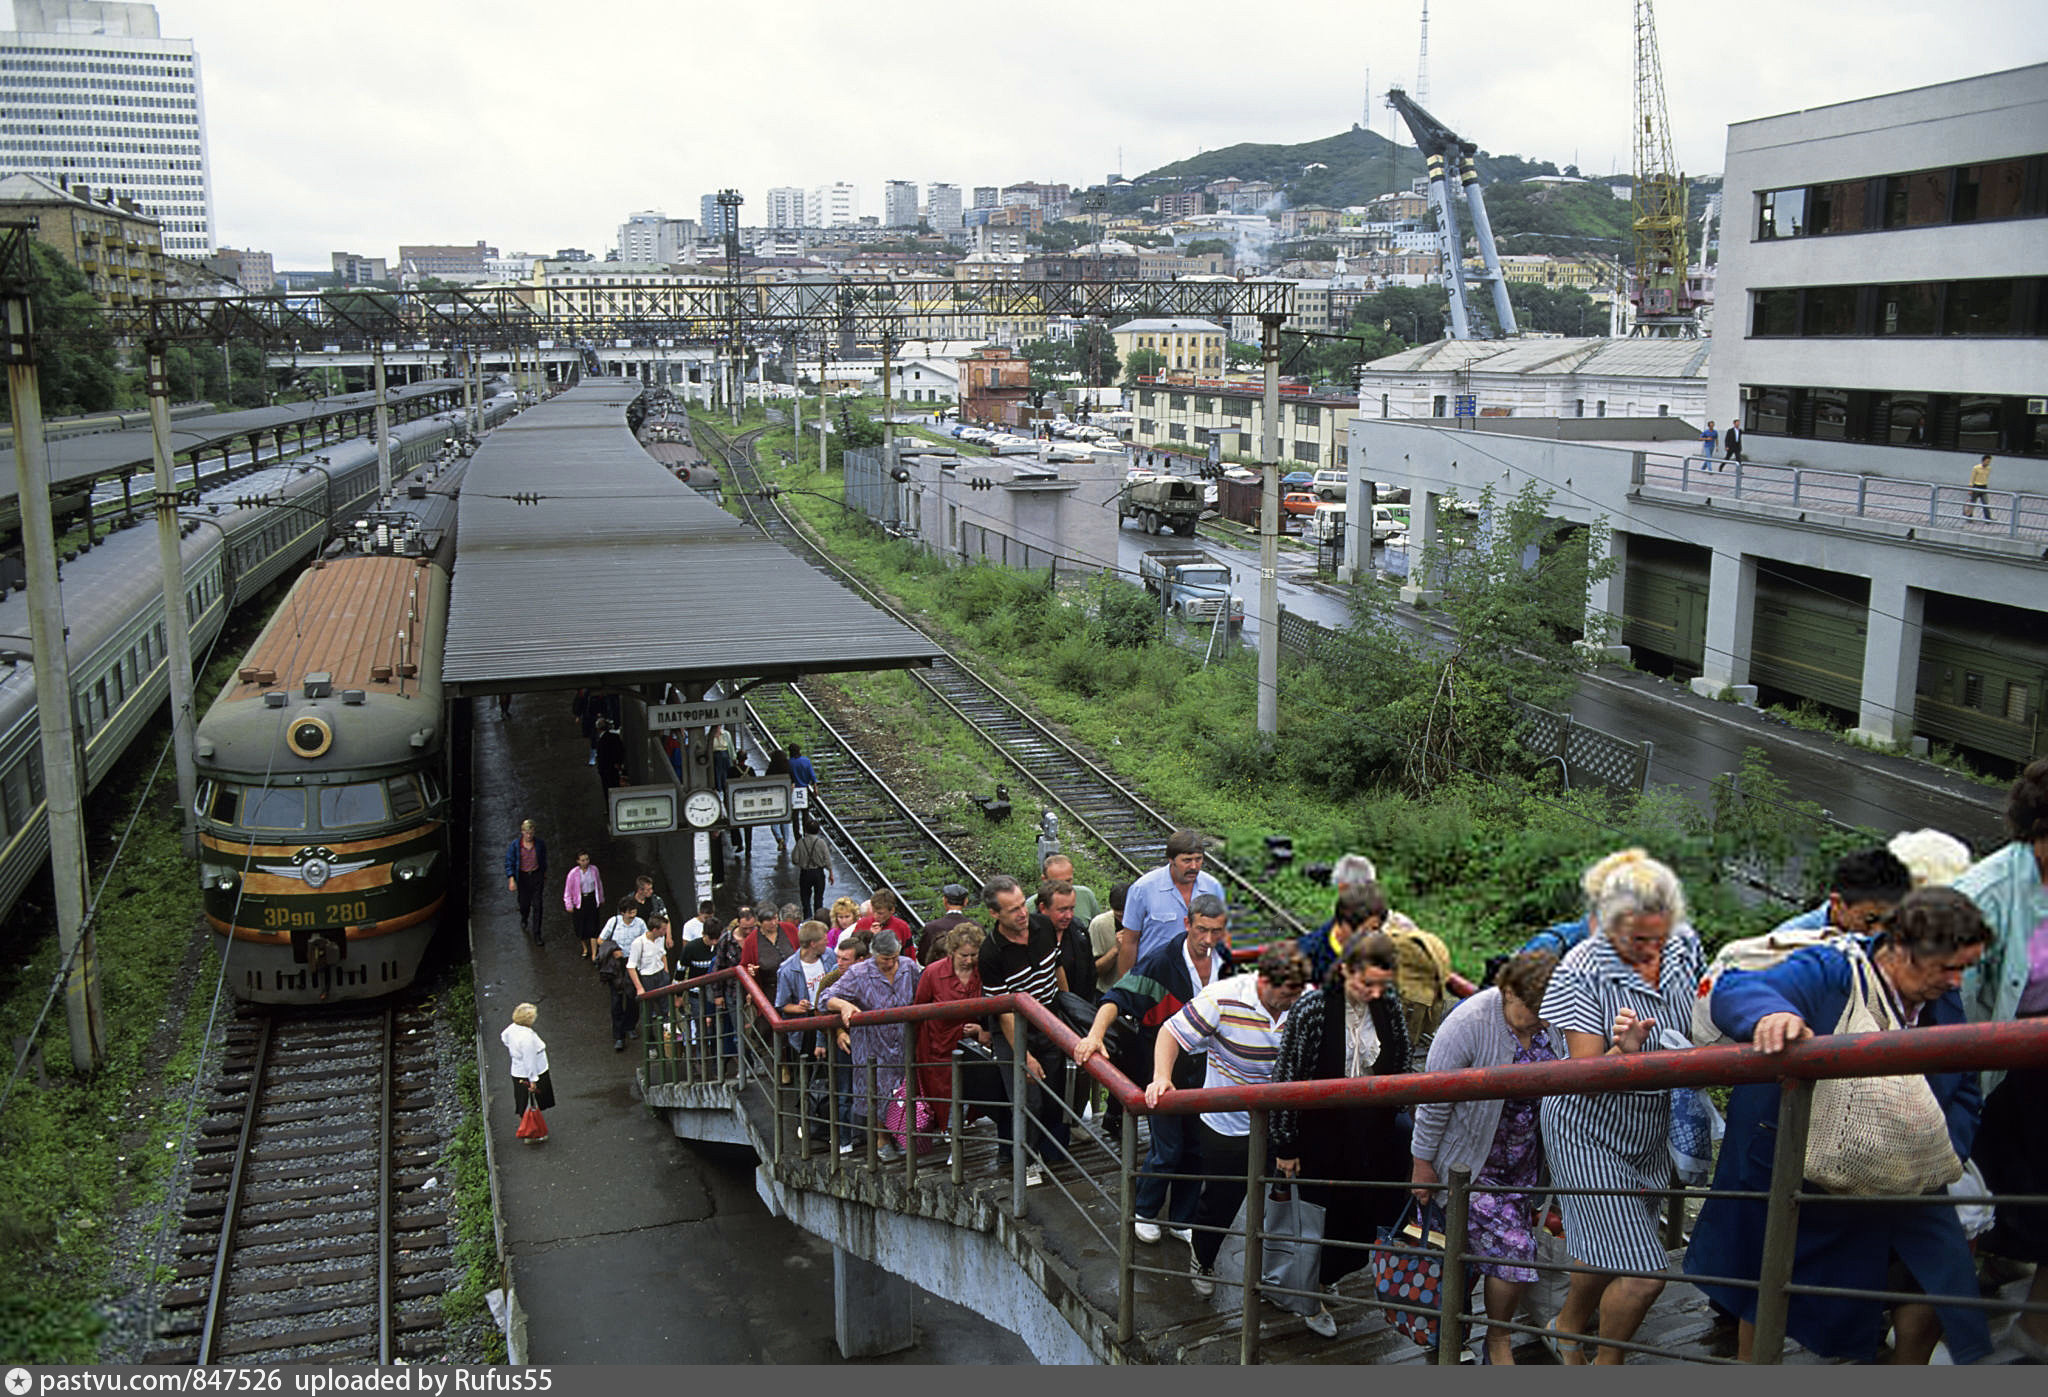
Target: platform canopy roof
96, 454
581, 561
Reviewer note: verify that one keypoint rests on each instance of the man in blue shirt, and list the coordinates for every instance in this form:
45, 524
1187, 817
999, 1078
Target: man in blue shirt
1156, 908
1710, 442
1866, 886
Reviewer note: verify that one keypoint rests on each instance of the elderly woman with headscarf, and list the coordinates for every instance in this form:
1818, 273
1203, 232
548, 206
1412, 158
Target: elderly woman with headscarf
1636, 972
1498, 1141
885, 980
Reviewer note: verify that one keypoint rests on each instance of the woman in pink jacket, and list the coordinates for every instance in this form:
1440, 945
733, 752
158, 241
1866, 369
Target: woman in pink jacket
583, 896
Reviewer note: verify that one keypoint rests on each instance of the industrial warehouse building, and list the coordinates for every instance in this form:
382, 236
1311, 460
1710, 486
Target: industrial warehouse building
1883, 323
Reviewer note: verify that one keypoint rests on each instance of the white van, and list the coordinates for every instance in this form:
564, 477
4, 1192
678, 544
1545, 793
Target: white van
1388, 520
1330, 485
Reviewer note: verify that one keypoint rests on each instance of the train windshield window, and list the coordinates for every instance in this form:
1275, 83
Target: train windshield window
361, 804
405, 797
274, 809
223, 804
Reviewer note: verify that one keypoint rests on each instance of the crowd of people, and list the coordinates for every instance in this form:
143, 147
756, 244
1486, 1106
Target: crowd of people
1913, 933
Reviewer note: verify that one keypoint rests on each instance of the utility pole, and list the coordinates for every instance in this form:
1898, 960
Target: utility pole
177, 626
62, 781
1269, 531
729, 202
383, 425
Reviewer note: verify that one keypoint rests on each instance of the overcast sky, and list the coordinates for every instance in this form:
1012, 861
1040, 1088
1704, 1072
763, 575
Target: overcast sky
542, 125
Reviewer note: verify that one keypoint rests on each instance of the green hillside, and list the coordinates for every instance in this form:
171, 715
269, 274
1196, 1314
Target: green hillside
1357, 165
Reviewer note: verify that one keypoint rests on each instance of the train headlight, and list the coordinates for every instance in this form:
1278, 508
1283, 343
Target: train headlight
406, 870
309, 736
214, 875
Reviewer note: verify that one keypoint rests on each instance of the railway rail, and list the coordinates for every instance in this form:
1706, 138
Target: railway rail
310, 1232
1089, 799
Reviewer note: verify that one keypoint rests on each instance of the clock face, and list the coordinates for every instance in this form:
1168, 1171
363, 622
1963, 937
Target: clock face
702, 809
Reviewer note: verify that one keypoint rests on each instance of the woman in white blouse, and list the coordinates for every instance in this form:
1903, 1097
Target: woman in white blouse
531, 1085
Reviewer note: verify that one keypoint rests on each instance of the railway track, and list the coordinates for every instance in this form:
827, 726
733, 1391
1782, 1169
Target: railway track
309, 1234
1089, 799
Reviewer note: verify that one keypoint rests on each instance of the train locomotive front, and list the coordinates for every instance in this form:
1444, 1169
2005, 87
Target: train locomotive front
324, 808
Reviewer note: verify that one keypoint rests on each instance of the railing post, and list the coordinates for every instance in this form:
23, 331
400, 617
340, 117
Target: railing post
774, 1075
1933, 505
1798, 476
1254, 1238
1781, 1221
2012, 515
832, 1099
1862, 494
1020, 1079
959, 1122
717, 989
1126, 1236
804, 1123
1456, 1289
910, 1104
1684, 474
871, 1119
1738, 478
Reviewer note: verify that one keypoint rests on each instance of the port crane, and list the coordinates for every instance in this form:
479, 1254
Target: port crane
1665, 305
1448, 156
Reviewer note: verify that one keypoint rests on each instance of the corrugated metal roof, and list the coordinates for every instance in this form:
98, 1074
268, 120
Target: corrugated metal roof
1628, 358
107, 453
622, 574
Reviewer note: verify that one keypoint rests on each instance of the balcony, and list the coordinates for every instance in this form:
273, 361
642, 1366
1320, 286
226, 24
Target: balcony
1885, 504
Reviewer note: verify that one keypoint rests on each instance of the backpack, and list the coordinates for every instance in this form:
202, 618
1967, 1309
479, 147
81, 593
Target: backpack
1750, 953
1421, 966
1557, 939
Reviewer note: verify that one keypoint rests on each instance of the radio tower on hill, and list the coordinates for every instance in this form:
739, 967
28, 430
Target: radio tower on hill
1422, 62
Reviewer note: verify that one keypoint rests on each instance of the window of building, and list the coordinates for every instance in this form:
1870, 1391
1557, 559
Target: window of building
1838, 207
1982, 307
1918, 200
1600, 408
1994, 190
1773, 312
1910, 308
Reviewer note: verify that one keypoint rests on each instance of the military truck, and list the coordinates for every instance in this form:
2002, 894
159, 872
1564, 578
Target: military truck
1195, 585
1162, 503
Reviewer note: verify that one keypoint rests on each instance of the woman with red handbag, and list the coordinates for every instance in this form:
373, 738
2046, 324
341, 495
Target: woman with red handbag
532, 1090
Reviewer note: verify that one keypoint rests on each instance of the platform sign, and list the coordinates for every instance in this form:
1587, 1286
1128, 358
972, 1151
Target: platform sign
643, 809
709, 713
758, 800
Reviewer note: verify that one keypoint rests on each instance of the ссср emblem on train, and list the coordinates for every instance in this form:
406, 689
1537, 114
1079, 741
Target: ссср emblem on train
315, 866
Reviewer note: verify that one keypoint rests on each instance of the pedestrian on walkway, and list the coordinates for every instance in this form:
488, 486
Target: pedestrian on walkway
778, 765
610, 752
1731, 443
531, 1085
1710, 446
885, 980
803, 779
813, 859
647, 969
583, 899
526, 869
1980, 482
614, 946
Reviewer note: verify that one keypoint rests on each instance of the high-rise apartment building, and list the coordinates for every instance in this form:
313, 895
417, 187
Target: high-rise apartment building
655, 237
252, 271
899, 204
92, 94
785, 207
942, 206
988, 196
834, 205
714, 220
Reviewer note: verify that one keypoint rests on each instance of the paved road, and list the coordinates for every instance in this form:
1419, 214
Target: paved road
1696, 740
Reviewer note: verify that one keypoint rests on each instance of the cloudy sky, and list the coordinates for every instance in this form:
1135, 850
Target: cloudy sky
541, 125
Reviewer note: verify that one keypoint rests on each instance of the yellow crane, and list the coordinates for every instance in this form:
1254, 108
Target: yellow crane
1664, 303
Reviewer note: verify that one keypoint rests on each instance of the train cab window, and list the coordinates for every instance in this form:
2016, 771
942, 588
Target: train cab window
1973, 690
361, 803
220, 802
274, 809
405, 797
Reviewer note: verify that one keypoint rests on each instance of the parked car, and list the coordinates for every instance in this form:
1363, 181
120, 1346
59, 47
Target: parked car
1331, 484
1297, 480
1299, 502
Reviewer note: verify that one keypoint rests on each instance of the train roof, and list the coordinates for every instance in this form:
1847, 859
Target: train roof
363, 622
106, 453
580, 559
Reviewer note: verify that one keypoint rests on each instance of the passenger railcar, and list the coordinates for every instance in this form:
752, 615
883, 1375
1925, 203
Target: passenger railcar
113, 599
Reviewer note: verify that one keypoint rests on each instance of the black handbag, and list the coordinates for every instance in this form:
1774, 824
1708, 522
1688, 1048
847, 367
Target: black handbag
1078, 1013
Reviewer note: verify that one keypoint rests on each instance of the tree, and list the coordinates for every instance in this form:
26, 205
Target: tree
1513, 581
1239, 355
74, 351
1061, 235
1095, 357
1555, 310
1413, 314
1317, 251
1143, 363
1203, 247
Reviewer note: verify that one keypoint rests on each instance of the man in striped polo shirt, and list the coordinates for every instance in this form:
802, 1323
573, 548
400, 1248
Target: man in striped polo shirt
1238, 1022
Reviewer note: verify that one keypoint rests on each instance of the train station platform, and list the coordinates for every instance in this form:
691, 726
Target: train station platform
624, 1243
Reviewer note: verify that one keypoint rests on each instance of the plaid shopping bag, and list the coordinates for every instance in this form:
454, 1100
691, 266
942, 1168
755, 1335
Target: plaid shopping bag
1411, 1278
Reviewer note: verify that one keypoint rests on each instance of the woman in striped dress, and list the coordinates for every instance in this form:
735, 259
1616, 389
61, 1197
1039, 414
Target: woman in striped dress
1636, 973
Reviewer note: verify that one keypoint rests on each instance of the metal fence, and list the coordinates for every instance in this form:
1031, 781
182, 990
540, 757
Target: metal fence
686, 1039
1988, 513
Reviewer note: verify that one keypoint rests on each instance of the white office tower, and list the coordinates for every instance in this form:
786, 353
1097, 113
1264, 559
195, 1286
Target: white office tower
832, 206
785, 207
92, 94
942, 205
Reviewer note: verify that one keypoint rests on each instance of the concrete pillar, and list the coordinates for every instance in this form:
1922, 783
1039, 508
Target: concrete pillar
1422, 543
1731, 619
870, 1308
1891, 661
1605, 600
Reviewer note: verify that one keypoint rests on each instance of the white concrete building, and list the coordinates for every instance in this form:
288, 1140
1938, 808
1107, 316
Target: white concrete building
93, 94
1882, 326
832, 206
785, 207
1575, 378
655, 237
899, 204
942, 206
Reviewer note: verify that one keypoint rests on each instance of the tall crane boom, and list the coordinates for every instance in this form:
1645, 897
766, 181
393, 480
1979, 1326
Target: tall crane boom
1448, 156
1665, 305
